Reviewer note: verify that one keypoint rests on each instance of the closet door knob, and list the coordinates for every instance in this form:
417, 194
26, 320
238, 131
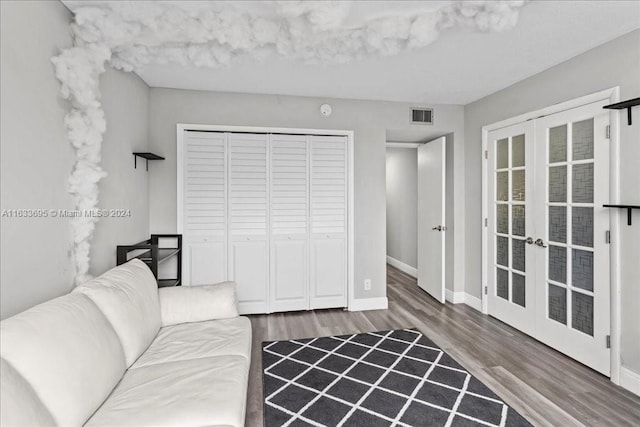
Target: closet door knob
529, 240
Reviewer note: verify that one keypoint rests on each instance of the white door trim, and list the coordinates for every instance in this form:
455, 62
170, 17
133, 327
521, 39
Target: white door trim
182, 127
613, 96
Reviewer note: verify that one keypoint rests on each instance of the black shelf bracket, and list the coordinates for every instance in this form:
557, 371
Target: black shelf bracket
624, 104
147, 157
629, 209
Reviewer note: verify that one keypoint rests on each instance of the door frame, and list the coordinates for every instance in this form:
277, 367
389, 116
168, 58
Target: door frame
612, 95
182, 127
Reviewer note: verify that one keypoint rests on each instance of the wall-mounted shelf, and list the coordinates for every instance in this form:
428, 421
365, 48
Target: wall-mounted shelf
147, 157
629, 209
624, 104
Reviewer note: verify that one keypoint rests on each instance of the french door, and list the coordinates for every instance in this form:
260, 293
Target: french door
548, 257
512, 278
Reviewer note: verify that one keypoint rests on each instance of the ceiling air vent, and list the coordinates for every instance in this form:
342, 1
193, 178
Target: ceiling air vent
422, 116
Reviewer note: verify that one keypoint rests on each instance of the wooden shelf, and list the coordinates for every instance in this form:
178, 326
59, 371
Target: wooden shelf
624, 104
629, 209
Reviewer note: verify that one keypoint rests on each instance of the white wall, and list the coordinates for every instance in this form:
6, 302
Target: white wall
368, 119
402, 205
126, 103
36, 158
616, 63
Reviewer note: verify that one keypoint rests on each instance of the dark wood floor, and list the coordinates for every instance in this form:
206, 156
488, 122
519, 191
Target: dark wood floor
546, 387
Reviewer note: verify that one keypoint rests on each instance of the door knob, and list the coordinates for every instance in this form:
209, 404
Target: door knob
540, 243
439, 228
529, 240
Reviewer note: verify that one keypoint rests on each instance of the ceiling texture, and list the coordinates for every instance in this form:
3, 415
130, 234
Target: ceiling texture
423, 52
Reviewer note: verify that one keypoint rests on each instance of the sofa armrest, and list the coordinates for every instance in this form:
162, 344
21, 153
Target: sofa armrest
185, 304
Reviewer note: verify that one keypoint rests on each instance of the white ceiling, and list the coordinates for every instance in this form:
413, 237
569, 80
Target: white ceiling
458, 68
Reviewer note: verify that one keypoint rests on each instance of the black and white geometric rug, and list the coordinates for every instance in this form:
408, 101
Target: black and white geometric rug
385, 378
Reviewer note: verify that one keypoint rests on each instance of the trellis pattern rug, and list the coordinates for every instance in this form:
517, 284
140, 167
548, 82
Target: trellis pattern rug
374, 379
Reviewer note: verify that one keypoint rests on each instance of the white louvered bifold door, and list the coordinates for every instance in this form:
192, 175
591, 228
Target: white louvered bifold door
204, 208
268, 211
289, 223
328, 215
248, 219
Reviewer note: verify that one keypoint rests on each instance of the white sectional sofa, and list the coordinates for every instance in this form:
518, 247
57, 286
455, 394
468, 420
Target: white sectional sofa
117, 351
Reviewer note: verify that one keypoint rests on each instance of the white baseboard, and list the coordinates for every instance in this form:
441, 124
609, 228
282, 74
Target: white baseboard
473, 302
405, 268
453, 297
463, 298
362, 304
630, 380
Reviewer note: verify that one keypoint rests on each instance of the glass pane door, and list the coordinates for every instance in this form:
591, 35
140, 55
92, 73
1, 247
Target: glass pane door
570, 228
512, 297
510, 219
547, 259
572, 164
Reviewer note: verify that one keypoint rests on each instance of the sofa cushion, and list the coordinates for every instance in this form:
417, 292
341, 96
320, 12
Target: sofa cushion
198, 392
128, 297
199, 340
19, 404
68, 352
183, 304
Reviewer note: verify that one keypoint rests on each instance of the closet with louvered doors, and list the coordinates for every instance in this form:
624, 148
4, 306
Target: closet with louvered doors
268, 211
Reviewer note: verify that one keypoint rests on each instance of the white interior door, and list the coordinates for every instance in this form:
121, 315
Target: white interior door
328, 217
204, 208
573, 288
248, 211
511, 254
548, 260
431, 217
289, 181
269, 211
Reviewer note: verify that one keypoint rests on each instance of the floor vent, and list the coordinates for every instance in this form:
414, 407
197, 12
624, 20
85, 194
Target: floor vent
423, 116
